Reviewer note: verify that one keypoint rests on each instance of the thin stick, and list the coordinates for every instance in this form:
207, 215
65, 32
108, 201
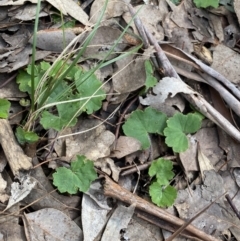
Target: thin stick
121, 119
232, 102
8, 80
234, 208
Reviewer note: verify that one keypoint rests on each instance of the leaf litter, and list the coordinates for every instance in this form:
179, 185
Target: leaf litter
205, 171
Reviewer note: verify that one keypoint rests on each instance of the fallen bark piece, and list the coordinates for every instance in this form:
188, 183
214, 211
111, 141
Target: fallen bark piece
13, 152
114, 190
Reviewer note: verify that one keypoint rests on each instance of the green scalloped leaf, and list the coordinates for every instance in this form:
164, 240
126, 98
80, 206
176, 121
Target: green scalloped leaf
206, 3
163, 197
89, 87
78, 177
25, 136
150, 79
163, 170
4, 108
178, 127
140, 123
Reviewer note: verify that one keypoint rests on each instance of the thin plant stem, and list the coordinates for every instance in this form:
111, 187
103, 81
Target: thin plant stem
34, 55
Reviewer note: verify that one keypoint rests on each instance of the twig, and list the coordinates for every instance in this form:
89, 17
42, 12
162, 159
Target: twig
16, 158
114, 190
232, 102
217, 76
138, 25
207, 110
8, 80
161, 57
120, 120
232, 205
142, 166
136, 168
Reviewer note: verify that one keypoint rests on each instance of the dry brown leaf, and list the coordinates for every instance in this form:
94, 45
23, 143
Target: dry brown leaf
203, 161
226, 62
71, 8
104, 39
18, 2
51, 224
94, 143
125, 146
150, 17
115, 8
130, 74
208, 139
212, 220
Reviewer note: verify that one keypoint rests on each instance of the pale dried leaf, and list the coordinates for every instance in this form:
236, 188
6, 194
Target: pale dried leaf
16, 60
169, 107
236, 4
94, 143
115, 8
18, 2
11, 90
118, 221
236, 173
125, 146
188, 158
150, 17
135, 230
203, 161
168, 86
95, 192
102, 42
52, 224
28, 12
3, 161
12, 231
108, 166
94, 218
130, 74
208, 139
226, 62
71, 8
179, 15
20, 190
180, 38
212, 219
231, 148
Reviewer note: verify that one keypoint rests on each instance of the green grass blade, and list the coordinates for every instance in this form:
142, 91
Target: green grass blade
34, 54
74, 62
